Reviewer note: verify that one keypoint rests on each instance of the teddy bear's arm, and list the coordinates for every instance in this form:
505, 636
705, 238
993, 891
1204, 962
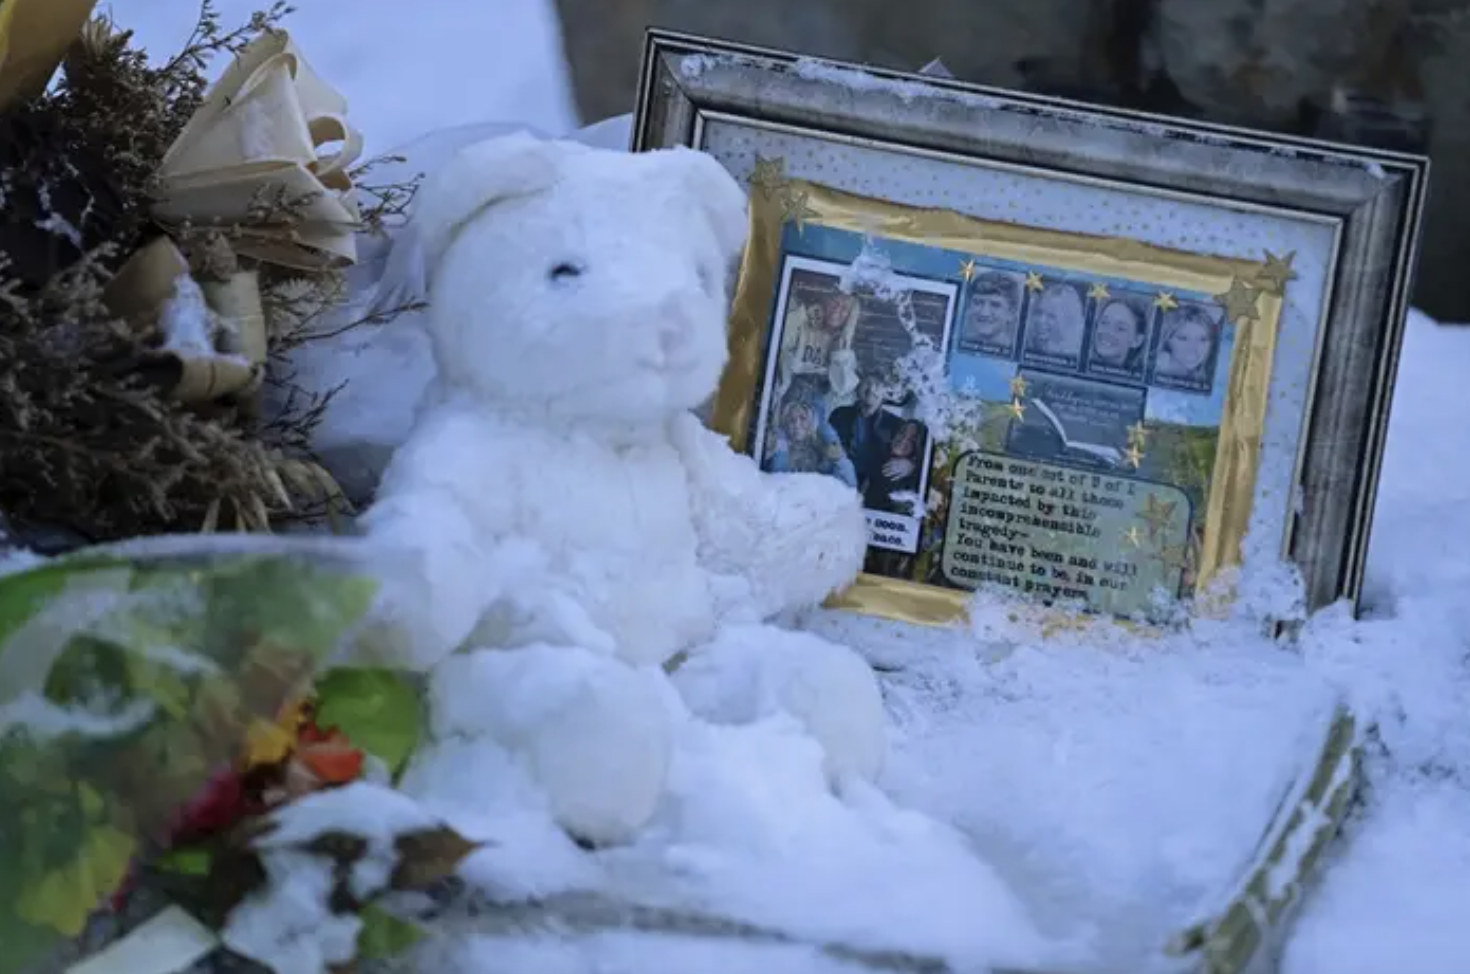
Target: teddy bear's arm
445, 512
793, 538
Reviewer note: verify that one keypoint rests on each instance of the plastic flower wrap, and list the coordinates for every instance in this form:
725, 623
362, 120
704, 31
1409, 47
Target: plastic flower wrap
148, 700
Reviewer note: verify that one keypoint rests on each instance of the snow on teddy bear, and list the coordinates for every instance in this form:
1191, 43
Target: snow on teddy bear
565, 503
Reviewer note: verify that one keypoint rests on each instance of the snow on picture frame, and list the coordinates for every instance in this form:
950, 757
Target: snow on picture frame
1157, 355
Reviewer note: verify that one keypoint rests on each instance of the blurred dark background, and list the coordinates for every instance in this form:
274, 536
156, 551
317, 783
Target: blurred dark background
1391, 73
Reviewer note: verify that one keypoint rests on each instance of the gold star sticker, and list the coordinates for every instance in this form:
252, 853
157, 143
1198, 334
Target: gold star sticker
1018, 387
967, 269
796, 208
1033, 281
1134, 456
768, 175
1098, 292
1016, 409
1156, 514
1276, 272
1240, 302
1133, 536
1165, 301
1138, 435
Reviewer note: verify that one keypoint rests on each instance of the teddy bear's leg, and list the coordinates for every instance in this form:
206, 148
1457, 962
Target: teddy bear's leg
751, 672
595, 733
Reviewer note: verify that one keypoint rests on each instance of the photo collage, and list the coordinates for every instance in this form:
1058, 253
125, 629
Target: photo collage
1116, 378
830, 404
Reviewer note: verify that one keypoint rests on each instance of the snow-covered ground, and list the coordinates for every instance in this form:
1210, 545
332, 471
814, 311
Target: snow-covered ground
1110, 788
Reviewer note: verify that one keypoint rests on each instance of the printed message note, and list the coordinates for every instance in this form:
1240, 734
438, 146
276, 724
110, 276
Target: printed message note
1057, 533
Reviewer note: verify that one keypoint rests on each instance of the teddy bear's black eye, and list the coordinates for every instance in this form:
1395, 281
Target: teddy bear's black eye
565, 271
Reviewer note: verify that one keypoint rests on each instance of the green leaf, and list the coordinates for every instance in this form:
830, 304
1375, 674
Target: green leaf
379, 710
23, 594
384, 935
63, 898
89, 669
24, 943
188, 861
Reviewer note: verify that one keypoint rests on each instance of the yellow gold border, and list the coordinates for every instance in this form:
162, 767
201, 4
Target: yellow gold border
1252, 291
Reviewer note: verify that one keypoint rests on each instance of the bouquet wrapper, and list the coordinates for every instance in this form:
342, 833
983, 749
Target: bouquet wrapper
129, 677
251, 162
34, 37
233, 364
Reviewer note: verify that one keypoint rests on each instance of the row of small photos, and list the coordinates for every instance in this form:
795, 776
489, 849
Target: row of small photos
1133, 336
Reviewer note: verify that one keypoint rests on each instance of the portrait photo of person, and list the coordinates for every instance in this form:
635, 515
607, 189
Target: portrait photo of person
899, 472
1055, 326
1189, 337
816, 357
802, 441
1119, 345
866, 429
992, 314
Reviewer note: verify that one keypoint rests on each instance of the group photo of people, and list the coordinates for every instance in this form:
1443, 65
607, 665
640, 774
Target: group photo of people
1069, 324
831, 405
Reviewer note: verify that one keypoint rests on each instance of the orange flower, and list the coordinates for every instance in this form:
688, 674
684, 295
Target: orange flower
310, 757
328, 754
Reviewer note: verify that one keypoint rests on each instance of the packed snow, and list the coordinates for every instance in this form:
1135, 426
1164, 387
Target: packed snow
1050, 798
288, 923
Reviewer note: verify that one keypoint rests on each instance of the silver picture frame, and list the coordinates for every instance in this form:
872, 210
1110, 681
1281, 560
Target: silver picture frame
1372, 201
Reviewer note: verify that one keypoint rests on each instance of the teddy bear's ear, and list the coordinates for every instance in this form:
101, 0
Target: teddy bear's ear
719, 195
476, 178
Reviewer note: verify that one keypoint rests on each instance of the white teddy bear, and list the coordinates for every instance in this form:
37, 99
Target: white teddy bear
562, 497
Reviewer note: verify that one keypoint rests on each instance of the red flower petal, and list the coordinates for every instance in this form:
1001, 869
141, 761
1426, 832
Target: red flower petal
220, 804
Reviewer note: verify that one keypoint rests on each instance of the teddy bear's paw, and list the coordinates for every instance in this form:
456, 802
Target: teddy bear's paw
835, 694
823, 537
750, 672
595, 735
603, 757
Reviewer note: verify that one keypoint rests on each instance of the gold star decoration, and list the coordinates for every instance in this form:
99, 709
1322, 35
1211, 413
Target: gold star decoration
1165, 301
1033, 281
1133, 536
1138, 435
1016, 409
967, 269
1134, 456
1018, 387
768, 175
796, 207
1099, 292
1156, 514
1277, 272
1240, 302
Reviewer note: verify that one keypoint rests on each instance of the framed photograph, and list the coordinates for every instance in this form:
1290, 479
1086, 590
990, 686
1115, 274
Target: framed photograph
1105, 360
